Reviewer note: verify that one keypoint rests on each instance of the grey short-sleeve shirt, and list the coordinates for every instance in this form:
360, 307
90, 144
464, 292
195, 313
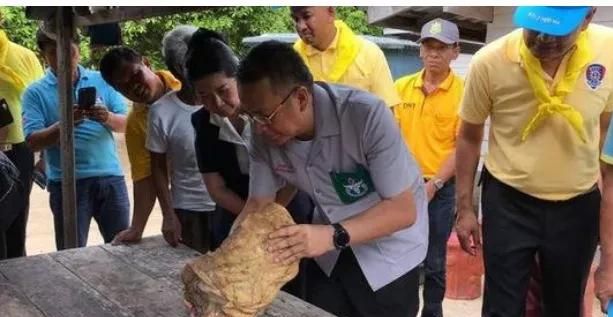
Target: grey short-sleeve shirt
356, 159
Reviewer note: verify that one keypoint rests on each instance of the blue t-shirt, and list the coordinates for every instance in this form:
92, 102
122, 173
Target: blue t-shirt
95, 149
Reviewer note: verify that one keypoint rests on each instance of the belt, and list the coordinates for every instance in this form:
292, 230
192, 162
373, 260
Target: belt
6, 147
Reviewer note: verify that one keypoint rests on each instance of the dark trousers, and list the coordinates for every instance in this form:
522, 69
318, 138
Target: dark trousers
562, 234
11, 199
15, 235
441, 210
346, 293
195, 230
221, 221
103, 198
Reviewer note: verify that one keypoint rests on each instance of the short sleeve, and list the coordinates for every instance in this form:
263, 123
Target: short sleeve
476, 104
32, 111
391, 166
156, 139
115, 102
382, 83
263, 182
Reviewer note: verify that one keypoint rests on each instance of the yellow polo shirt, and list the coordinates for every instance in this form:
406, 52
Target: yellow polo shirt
18, 68
552, 163
369, 71
136, 132
428, 123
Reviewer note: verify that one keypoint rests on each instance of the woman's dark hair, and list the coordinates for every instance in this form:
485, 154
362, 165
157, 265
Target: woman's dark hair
208, 53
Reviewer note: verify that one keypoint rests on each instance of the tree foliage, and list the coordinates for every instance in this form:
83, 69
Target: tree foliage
146, 35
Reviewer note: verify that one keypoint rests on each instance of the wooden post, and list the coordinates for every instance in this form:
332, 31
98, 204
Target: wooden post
64, 28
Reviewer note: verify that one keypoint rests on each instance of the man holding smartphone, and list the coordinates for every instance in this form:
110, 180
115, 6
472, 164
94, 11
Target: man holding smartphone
101, 188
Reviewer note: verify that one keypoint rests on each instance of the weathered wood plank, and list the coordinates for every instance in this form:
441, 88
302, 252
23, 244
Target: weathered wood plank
14, 304
159, 260
138, 280
154, 257
286, 305
123, 284
56, 291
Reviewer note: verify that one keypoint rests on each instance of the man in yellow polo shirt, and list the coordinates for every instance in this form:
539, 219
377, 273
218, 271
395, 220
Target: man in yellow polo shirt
548, 93
334, 54
129, 73
428, 118
18, 68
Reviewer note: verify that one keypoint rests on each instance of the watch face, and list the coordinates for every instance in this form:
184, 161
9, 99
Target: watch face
341, 239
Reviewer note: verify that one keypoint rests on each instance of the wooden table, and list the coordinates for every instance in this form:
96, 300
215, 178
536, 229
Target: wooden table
139, 280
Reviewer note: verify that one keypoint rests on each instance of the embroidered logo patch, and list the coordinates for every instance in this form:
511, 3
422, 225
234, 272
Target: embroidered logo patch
352, 186
594, 74
436, 28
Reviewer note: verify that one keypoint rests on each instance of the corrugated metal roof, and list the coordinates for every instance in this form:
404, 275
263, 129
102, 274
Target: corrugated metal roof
388, 43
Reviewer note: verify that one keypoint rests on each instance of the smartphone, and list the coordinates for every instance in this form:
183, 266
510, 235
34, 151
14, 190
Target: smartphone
39, 179
86, 97
5, 114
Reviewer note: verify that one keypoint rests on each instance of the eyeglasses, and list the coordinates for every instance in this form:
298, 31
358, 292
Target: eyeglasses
267, 119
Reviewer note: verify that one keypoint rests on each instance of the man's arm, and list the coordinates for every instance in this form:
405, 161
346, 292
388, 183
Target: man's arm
143, 186
605, 119
44, 138
445, 173
604, 275
388, 216
117, 122
468, 152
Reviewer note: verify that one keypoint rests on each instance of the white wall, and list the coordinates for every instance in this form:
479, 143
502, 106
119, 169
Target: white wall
460, 65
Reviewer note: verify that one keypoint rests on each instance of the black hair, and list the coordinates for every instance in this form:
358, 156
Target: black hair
278, 62
209, 53
114, 57
296, 9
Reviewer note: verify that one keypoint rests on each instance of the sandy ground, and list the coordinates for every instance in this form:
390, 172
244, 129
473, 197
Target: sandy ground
40, 236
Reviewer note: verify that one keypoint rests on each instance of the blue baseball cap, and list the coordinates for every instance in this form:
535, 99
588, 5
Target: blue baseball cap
556, 21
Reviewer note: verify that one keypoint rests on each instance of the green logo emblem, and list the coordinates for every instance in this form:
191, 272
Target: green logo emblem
351, 187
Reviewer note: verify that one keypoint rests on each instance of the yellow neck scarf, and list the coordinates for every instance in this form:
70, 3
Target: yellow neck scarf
347, 48
6, 73
169, 80
550, 104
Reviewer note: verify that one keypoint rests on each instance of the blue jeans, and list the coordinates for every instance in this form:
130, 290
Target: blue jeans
441, 212
103, 198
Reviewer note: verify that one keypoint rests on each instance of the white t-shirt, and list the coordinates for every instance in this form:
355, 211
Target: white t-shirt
170, 132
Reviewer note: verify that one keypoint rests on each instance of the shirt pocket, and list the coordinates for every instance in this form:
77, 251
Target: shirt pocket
444, 126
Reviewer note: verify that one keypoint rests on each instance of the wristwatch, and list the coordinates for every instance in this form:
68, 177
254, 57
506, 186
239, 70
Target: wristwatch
341, 237
438, 183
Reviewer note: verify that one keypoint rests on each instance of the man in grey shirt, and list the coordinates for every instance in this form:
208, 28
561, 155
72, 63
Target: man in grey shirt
342, 147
